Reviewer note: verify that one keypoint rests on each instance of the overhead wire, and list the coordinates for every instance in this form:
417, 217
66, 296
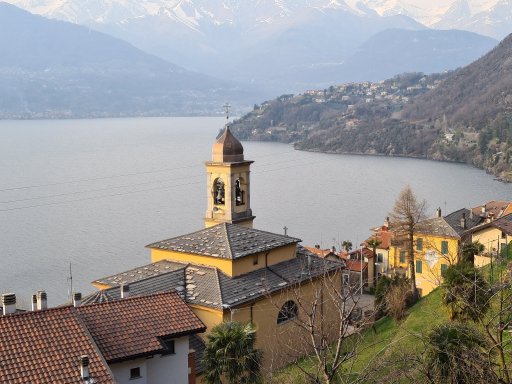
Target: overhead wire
74, 193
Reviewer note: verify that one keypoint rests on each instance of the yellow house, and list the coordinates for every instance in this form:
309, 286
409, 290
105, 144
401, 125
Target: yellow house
231, 271
496, 237
437, 244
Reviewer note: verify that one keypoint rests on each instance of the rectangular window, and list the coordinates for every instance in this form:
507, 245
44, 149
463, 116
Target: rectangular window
402, 256
380, 258
419, 266
419, 244
169, 348
135, 373
444, 247
444, 267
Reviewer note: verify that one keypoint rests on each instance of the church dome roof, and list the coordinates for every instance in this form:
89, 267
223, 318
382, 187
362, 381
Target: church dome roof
227, 149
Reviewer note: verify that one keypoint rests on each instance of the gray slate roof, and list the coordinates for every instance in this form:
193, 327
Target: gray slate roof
454, 220
226, 241
436, 227
210, 287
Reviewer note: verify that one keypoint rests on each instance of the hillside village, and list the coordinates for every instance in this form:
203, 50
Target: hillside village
289, 118
152, 324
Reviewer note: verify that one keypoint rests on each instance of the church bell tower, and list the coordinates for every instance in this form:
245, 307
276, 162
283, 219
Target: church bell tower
228, 183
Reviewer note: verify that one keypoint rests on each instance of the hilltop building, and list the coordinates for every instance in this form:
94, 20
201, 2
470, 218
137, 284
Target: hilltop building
232, 271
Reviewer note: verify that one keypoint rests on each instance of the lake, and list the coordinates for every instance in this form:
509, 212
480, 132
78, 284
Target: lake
93, 193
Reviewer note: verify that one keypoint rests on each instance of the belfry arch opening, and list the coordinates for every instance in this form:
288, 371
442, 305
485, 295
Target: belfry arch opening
219, 192
240, 191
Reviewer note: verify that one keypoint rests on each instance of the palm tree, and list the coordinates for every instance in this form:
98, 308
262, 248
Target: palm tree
458, 354
230, 354
373, 243
466, 292
347, 245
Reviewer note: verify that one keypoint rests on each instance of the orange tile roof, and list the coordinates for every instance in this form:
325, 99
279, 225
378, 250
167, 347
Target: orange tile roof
319, 252
45, 347
131, 327
356, 265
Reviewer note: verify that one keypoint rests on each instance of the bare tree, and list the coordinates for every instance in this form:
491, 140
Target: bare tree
324, 320
407, 213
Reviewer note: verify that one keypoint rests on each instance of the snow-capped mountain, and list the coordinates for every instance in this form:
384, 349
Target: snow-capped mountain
494, 17
279, 45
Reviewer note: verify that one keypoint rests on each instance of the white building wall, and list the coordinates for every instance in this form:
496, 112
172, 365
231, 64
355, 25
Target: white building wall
170, 369
121, 371
159, 369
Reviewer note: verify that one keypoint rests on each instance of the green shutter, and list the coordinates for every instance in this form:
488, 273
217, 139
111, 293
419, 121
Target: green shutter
418, 266
402, 256
444, 247
419, 244
444, 267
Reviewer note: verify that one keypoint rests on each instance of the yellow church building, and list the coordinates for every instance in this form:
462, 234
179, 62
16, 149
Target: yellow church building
232, 271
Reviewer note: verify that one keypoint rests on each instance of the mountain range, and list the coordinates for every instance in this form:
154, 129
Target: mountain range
279, 45
52, 69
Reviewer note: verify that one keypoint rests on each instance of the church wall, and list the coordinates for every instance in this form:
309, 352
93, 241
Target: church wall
285, 342
247, 264
224, 265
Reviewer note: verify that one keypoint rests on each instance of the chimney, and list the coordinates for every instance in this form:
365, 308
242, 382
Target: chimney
41, 300
9, 303
317, 246
463, 220
471, 214
125, 291
34, 303
333, 249
84, 367
386, 222
438, 212
77, 299
482, 210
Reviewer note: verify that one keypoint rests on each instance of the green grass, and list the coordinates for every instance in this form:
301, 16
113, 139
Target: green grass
388, 339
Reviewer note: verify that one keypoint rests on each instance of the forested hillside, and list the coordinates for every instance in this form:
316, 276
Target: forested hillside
463, 116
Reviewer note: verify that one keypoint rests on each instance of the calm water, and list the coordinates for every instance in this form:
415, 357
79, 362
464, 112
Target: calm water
93, 193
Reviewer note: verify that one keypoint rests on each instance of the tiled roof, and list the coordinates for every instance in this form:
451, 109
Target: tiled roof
45, 347
436, 227
132, 327
494, 208
140, 273
320, 252
226, 241
210, 287
454, 220
504, 223
356, 265
384, 236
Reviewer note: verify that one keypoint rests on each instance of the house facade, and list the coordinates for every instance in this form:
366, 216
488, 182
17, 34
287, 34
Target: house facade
138, 340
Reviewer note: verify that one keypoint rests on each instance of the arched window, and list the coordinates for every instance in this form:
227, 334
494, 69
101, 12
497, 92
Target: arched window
239, 194
288, 311
218, 191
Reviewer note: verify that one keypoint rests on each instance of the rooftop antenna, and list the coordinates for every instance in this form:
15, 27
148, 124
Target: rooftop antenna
226, 108
70, 279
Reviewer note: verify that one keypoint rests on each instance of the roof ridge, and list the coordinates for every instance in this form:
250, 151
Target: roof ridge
83, 325
228, 240
219, 287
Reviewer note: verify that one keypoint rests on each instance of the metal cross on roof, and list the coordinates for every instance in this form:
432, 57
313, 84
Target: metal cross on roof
226, 108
